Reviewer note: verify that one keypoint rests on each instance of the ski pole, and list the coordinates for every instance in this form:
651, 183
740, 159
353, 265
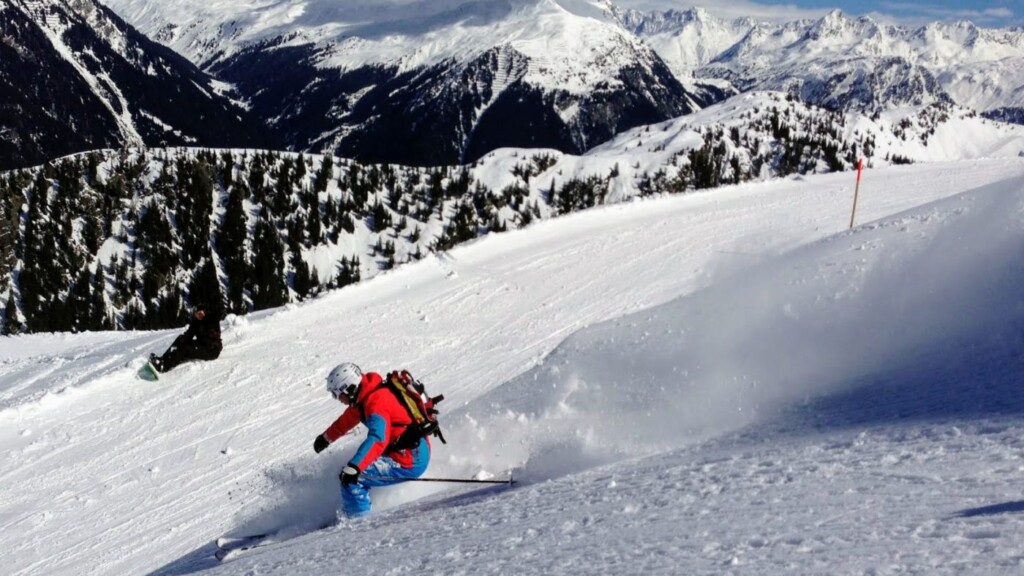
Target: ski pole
458, 480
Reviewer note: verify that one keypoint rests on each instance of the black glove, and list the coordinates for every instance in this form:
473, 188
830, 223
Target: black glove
349, 475
320, 444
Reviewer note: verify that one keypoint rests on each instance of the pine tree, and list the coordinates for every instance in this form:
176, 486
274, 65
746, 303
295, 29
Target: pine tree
525, 218
435, 189
281, 199
230, 240
704, 167
300, 170
168, 310
77, 303
227, 169
348, 272
92, 232
133, 318
268, 288
98, 317
579, 194
314, 233
552, 193
8, 226
156, 245
57, 316
258, 178
119, 295
323, 175
11, 324
302, 280
37, 255
194, 210
205, 286
92, 168
462, 227
380, 217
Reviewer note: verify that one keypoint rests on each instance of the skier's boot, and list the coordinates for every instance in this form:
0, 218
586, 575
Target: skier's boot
156, 362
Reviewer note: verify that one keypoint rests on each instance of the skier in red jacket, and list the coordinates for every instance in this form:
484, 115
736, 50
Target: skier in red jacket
385, 457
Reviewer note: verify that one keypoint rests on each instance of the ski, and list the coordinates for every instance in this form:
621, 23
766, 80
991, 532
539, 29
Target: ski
236, 541
229, 547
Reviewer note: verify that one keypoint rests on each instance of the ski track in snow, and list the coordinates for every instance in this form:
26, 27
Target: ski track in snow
554, 346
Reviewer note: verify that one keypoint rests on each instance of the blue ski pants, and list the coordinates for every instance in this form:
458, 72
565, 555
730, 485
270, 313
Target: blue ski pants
355, 497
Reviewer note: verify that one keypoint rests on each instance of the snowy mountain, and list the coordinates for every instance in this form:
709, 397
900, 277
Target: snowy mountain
428, 82
76, 78
797, 396
685, 39
126, 239
843, 62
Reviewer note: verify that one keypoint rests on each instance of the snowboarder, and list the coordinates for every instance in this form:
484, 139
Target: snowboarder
384, 458
200, 342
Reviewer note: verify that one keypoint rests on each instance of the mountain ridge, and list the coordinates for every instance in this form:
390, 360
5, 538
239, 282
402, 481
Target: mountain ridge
929, 63
78, 64
432, 83
437, 81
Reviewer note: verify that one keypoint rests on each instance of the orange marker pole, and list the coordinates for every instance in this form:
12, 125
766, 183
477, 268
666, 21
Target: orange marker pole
856, 190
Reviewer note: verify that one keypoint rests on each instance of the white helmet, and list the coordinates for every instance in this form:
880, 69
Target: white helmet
344, 379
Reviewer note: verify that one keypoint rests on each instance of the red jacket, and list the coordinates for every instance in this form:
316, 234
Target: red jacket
385, 419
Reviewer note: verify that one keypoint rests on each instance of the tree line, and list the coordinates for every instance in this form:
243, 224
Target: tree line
124, 240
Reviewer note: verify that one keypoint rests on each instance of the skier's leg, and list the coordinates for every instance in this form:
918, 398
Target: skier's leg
169, 359
206, 352
178, 353
355, 497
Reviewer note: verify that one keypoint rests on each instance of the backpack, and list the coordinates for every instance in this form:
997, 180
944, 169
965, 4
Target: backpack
412, 395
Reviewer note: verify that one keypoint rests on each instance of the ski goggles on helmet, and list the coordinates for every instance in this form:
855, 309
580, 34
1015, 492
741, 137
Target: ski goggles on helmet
348, 392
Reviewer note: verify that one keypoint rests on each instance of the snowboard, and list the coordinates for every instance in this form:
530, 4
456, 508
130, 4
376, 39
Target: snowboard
148, 372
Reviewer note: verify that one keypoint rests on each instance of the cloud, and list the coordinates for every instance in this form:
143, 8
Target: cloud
905, 13
942, 12
921, 13
730, 9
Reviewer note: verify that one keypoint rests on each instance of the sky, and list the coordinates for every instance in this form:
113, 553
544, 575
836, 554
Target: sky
988, 13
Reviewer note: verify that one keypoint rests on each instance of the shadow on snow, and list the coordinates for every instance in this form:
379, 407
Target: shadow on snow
955, 381
1003, 508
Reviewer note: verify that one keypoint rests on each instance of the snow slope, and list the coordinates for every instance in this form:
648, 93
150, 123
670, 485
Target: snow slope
723, 382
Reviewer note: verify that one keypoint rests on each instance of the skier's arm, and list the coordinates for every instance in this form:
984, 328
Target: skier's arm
191, 333
375, 443
347, 421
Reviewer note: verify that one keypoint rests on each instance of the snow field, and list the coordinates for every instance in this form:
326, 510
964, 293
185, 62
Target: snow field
722, 382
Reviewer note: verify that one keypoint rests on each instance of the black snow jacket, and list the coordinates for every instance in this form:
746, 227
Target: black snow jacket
204, 333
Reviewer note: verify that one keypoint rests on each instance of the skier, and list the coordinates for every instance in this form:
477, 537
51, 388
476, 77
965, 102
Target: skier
385, 457
200, 342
